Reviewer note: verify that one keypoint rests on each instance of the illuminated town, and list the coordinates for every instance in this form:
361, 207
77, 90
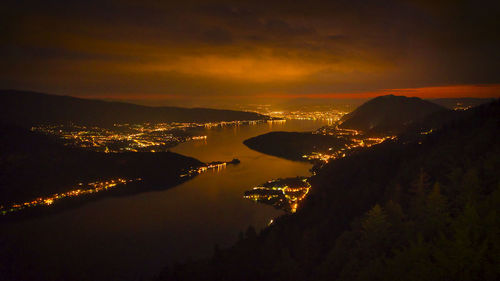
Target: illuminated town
81, 189
214, 166
329, 113
357, 140
331, 116
287, 194
284, 194
312, 112
460, 106
147, 137
99, 186
121, 137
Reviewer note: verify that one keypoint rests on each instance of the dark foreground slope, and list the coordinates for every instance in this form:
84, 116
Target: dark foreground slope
292, 145
33, 165
389, 114
29, 108
402, 210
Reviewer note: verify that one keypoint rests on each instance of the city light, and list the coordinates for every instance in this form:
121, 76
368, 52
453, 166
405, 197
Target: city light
284, 194
357, 140
145, 137
99, 186
82, 189
216, 166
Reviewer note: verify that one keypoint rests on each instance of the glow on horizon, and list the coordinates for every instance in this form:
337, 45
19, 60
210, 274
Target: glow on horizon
451, 91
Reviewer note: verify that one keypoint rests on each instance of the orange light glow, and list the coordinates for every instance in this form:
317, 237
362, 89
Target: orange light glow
456, 91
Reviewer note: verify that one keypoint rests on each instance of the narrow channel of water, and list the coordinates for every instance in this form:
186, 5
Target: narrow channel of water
127, 238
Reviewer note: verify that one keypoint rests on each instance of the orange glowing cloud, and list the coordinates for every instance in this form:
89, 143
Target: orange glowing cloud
258, 67
455, 91
241, 68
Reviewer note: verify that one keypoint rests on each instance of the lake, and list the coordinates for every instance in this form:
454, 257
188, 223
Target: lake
133, 237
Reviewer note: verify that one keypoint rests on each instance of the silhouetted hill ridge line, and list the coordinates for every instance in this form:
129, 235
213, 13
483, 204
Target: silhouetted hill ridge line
33, 165
422, 209
30, 108
293, 145
389, 114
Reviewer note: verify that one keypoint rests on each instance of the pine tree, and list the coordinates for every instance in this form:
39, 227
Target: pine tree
375, 221
419, 190
436, 214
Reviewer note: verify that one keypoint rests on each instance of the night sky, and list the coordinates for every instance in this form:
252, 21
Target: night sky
195, 50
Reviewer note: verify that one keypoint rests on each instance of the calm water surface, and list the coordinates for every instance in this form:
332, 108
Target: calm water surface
127, 238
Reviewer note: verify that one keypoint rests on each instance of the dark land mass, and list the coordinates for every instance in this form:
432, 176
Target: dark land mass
280, 193
31, 108
293, 145
34, 165
389, 114
294, 182
414, 209
461, 103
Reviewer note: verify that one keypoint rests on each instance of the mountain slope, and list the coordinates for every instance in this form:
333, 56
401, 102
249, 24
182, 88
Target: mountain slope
33, 165
292, 145
402, 210
388, 114
29, 108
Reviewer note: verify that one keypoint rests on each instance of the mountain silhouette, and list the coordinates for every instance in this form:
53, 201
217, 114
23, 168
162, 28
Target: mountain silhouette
31, 108
389, 114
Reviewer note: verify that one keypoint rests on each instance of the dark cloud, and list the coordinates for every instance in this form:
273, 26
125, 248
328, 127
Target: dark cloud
217, 36
246, 47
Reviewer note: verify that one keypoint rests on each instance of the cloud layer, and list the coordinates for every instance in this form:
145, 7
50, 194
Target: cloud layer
246, 48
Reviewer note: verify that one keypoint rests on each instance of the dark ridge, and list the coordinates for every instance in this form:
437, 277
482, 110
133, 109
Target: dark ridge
30, 108
425, 209
33, 165
389, 114
292, 145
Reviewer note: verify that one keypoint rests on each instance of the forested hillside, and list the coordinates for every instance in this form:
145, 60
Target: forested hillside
30, 108
422, 208
33, 165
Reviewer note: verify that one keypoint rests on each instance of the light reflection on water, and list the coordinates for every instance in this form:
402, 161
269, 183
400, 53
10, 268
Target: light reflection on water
126, 237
